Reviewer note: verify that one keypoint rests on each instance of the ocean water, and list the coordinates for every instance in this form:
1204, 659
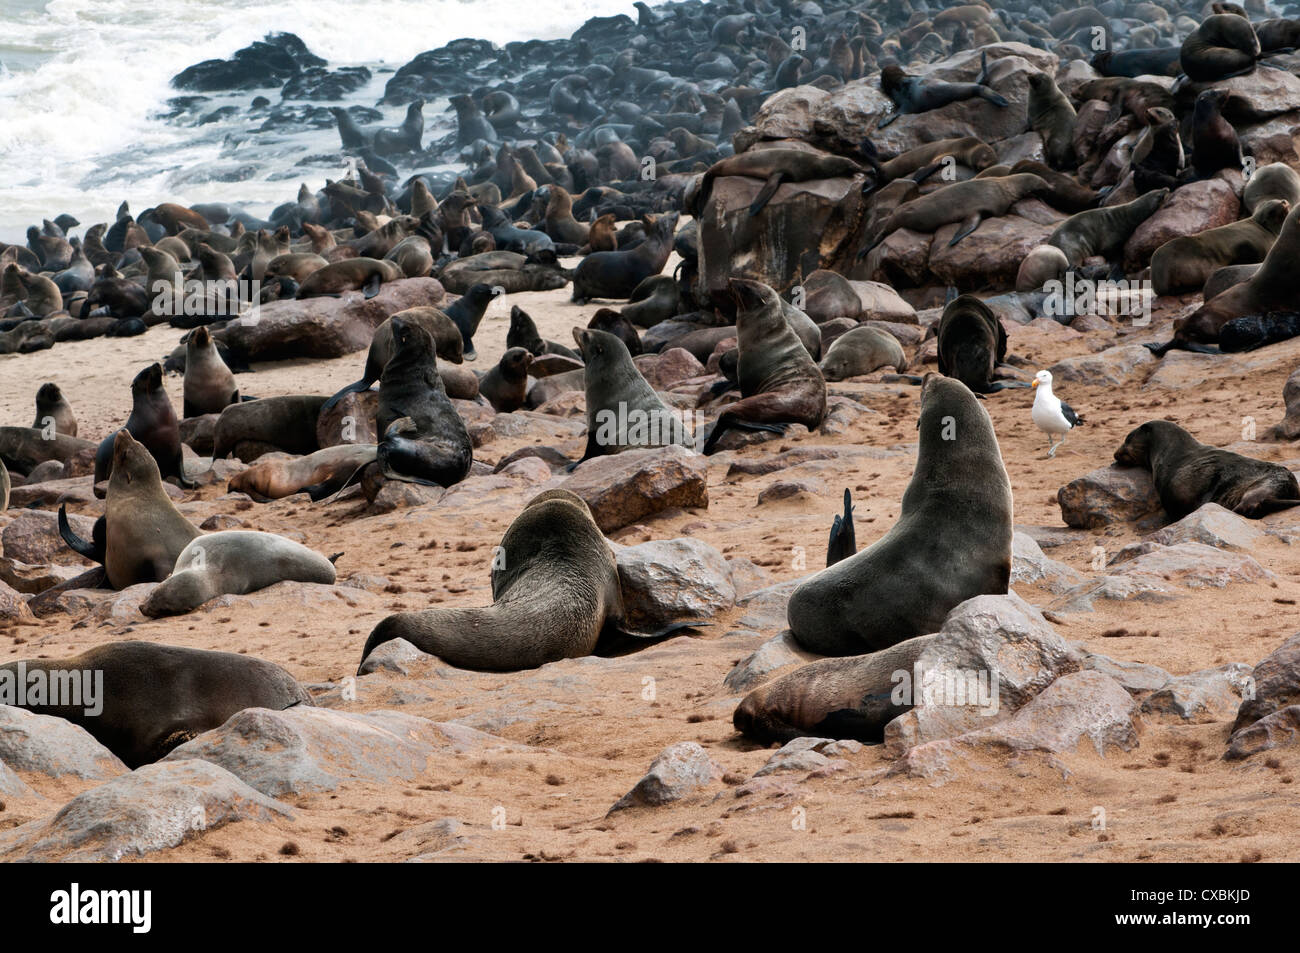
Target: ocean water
83, 81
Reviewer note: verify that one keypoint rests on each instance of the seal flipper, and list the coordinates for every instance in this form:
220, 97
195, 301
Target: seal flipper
843, 542
1260, 502
716, 434
765, 194
355, 387
968, 225
615, 640
97, 550
371, 287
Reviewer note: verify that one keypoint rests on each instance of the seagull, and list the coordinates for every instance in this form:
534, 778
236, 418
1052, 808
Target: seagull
1052, 415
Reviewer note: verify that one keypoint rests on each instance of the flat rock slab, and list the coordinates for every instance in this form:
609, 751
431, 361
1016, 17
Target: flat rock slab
627, 487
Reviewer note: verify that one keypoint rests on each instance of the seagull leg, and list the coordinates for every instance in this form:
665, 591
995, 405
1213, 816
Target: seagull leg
1051, 450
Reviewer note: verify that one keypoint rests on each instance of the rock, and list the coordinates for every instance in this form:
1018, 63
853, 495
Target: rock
269, 62
50, 493
991, 255
1108, 368
670, 580
152, 808
1189, 210
668, 367
1138, 678
901, 259
801, 755
54, 747
396, 494
318, 83
679, 770
548, 365
399, 657
13, 608
301, 749
1261, 94
324, 327
627, 487
791, 489
1195, 565
1210, 695
788, 114
765, 609
1277, 730
351, 420
1031, 567
1082, 598
757, 668
1108, 495
1289, 428
33, 537
1211, 525
992, 655
1276, 684
198, 433
806, 225
746, 577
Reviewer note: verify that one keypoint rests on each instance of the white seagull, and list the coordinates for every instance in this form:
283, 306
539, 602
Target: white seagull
1052, 415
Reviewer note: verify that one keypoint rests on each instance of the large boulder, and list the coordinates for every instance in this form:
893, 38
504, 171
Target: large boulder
1108, 495
668, 580
626, 487
324, 327
1192, 209
988, 257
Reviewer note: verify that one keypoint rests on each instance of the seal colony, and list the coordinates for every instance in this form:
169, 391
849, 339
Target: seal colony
739, 259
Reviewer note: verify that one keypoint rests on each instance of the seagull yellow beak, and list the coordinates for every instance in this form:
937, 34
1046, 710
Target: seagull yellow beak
1035, 382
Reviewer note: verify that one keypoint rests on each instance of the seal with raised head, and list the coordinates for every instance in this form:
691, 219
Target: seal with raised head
615, 274
623, 410
466, 312
523, 333
424, 439
446, 339
952, 540
1103, 231
156, 697
555, 595
1052, 117
861, 351
152, 422
779, 383
1188, 474
53, 409
209, 385
141, 532
1185, 263
234, 562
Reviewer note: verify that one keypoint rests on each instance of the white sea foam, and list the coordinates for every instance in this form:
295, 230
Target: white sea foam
83, 80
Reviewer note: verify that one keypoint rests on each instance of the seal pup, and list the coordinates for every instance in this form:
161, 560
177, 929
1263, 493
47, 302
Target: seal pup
911, 94
53, 409
234, 562
467, 311
152, 422
506, 384
1188, 474
209, 385
141, 532
424, 439
1253, 331
555, 595
862, 350
366, 275
623, 410
156, 697
523, 333
446, 337
952, 541
843, 541
779, 383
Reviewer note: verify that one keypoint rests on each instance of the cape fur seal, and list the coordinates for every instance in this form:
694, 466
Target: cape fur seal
209, 385
320, 474
156, 697
779, 383
1052, 117
972, 343
623, 410
555, 595
911, 94
843, 541
446, 338
467, 311
1185, 263
351, 274
615, 274
52, 408
234, 562
152, 422
424, 439
952, 540
1103, 231
861, 351
1188, 474
1253, 331
776, 165
271, 423
141, 532
967, 203
507, 383
1223, 45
